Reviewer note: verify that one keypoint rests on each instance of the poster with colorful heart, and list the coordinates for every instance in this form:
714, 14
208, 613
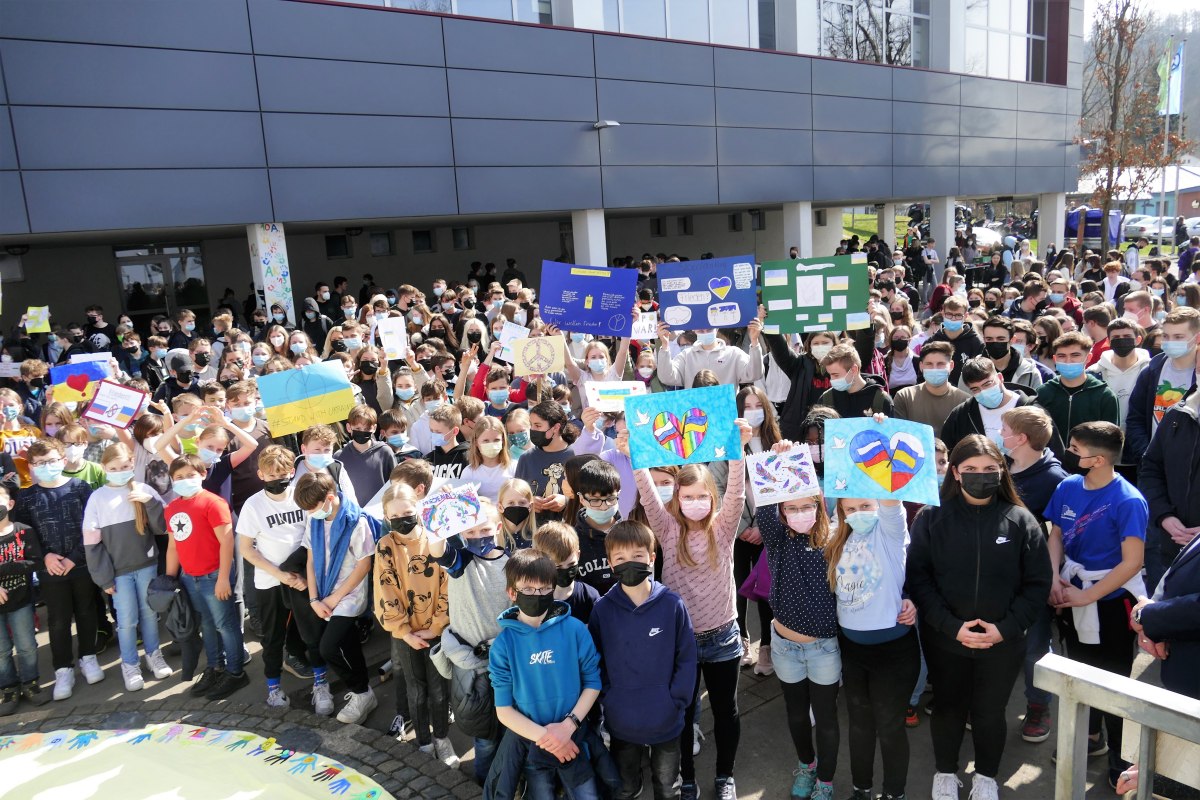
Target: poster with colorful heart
715, 293
889, 461
692, 426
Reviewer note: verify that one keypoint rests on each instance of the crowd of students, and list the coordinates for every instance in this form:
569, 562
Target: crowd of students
573, 629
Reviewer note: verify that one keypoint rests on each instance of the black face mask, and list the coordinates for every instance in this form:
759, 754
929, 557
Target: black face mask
1123, 346
368, 367
474, 337
899, 345
360, 437
403, 525
202, 359
277, 486
468, 304
339, 346
632, 573
539, 438
183, 376
565, 576
996, 350
425, 364
981, 485
227, 382
534, 605
973, 303
37, 383
897, 316
516, 514
3, 513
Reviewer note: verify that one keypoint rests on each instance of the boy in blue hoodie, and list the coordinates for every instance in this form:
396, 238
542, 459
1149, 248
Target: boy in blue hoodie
546, 675
648, 667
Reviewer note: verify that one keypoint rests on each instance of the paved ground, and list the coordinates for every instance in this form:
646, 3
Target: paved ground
765, 756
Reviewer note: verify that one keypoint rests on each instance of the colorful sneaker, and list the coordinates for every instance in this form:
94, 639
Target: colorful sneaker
806, 778
132, 675
322, 700
91, 670
276, 698
824, 791
1036, 727
911, 718
158, 665
64, 683
32, 693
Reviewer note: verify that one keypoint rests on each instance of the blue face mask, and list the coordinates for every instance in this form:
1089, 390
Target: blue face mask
350, 312
319, 460
601, 517
665, 493
11, 412
297, 347
120, 478
209, 457
1019, 348
1057, 297
160, 352
1176, 349
519, 440
481, 546
352, 343
438, 439
578, 337
1069, 371
406, 394
991, 398
499, 397
839, 384
706, 338
48, 473
936, 377
1181, 299
1158, 292
241, 413
397, 440
862, 521
430, 405
258, 360
597, 364
278, 317
941, 478
755, 416
952, 325
187, 487
320, 513
189, 327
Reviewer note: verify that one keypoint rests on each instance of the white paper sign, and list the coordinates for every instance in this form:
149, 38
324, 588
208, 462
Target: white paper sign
779, 477
451, 510
10, 369
393, 335
115, 404
509, 334
645, 327
610, 395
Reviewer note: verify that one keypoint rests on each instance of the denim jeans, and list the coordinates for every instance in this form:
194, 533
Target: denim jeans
540, 785
664, 768
16, 629
819, 661
718, 652
220, 621
1037, 644
485, 751
133, 611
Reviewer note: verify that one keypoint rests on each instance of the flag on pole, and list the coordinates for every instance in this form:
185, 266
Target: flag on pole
1170, 81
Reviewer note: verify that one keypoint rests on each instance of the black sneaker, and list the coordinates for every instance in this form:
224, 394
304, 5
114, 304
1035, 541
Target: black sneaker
227, 684
886, 796
206, 682
297, 667
8, 701
689, 792
860, 794
103, 640
400, 725
32, 693
725, 788
1097, 747
253, 625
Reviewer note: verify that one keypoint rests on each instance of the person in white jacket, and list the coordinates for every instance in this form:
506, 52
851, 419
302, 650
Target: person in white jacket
730, 365
1120, 365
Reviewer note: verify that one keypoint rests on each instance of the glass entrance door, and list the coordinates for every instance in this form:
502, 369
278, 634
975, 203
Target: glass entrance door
162, 279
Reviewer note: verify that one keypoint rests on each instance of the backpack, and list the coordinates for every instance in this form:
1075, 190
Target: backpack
472, 699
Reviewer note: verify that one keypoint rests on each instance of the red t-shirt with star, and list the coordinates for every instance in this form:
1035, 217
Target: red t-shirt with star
192, 523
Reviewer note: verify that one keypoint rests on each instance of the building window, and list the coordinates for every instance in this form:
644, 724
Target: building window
683, 226
735, 222
758, 221
493, 9
881, 31
337, 246
658, 227
766, 25
1006, 39
464, 238
381, 243
424, 241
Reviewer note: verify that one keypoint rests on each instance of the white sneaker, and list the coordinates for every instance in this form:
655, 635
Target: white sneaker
276, 698
697, 738
426, 748
747, 656
90, 668
357, 707
984, 788
158, 665
64, 683
443, 750
322, 699
132, 673
945, 786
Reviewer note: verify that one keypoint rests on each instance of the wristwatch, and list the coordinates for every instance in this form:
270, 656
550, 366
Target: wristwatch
571, 716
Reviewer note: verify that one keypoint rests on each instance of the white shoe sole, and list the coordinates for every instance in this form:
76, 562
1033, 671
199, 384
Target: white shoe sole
366, 712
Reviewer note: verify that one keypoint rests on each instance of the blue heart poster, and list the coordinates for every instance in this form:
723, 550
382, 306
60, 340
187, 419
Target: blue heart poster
595, 300
715, 293
692, 426
892, 460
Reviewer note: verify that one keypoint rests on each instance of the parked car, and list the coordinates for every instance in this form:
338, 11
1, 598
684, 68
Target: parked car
1129, 230
1193, 226
1149, 226
986, 237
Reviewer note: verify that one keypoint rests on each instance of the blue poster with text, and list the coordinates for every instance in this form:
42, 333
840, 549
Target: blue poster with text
595, 300
716, 293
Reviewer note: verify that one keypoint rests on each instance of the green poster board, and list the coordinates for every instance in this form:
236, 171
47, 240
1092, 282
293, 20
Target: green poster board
816, 294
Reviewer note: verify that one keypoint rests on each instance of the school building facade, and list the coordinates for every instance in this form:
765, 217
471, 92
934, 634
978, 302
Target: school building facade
406, 138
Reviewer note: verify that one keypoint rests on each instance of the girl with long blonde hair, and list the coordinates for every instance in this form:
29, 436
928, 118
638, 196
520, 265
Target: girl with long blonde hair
518, 520
489, 462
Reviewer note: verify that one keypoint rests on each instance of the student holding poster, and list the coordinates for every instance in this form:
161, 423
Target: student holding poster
731, 365
596, 364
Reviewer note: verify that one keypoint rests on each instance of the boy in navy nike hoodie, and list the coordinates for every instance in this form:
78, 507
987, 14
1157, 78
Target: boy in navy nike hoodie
546, 675
648, 666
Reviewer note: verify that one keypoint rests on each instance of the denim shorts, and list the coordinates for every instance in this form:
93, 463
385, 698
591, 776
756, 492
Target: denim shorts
719, 644
819, 661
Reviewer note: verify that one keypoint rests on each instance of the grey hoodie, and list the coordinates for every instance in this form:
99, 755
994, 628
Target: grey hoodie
111, 540
1120, 381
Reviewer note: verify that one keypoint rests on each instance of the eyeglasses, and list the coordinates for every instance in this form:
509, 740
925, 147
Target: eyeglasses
600, 502
45, 463
540, 591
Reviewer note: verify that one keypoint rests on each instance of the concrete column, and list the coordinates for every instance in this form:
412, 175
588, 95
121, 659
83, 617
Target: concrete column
797, 27
588, 236
947, 21
1052, 215
941, 223
797, 228
886, 223
270, 268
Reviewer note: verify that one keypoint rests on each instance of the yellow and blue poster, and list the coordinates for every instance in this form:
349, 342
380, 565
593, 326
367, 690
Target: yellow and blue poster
595, 300
692, 426
298, 398
889, 461
714, 293
76, 383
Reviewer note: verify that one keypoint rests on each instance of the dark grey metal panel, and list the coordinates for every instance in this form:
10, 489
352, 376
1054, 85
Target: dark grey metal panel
510, 95
850, 114
745, 184
212, 24
664, 103
1040, 154
1072, 153
346, 87
987, 180
483, 190
51, 73
314, 30
1074, 103
3, 91
987, 122
852, 149
744, 69
1033, 125
347, 140
1070, 178
745, 108
310, 194
123, 138
849, 183
12, 210
984, 152
653, 60
1041, 97
924, 118
926, 181
658, 145
634, 187
494, 143
515, 48
8, 145
145, 198
925, 87
1032, 180
848, 79
763, 146
988, 92
925, 150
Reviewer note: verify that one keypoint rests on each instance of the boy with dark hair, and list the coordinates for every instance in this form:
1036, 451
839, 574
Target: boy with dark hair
366, 460
598, 487
648, 664
449, 455
546, 676
1073, 396
560, 542
317, 445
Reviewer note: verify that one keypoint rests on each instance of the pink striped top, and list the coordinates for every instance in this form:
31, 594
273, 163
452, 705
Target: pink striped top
707, 593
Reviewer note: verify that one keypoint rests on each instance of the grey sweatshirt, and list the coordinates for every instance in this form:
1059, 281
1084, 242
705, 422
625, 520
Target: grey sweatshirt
111, 541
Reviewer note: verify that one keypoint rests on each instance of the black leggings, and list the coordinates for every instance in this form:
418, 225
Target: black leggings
70, 599
428, 692
721, 678
342, 651
745, 555
823, 699
287, 621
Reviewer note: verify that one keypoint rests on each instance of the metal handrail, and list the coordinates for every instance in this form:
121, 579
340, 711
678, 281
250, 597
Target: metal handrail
1080, 688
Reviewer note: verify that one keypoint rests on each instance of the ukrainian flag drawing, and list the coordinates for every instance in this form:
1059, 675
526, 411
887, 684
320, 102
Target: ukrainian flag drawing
312, 395
76, 383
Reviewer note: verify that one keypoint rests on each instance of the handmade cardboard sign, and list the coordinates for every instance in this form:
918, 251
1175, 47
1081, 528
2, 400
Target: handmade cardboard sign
393, 335
451, 510
779, 477
611, 395
76, 383
816, 294
115, 404
692, 426
298, 398
889, 461
595, 300
538, 355
37, 319
716, 293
